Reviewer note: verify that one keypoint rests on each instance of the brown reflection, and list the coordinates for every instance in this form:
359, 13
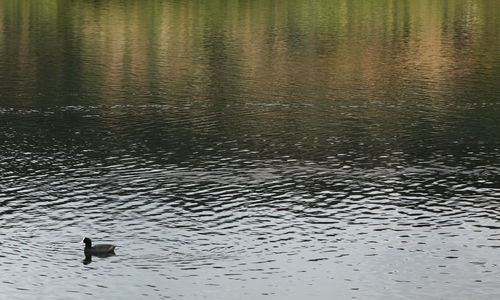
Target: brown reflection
276, 51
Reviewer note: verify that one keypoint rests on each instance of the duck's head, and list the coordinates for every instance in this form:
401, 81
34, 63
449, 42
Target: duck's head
86, 241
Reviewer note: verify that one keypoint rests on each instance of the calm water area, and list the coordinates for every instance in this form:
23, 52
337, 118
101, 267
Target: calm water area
287, 149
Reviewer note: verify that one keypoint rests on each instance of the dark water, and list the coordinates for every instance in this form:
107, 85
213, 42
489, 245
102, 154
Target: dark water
250, 149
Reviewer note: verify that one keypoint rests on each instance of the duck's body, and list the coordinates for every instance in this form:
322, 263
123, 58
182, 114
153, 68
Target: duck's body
100, 249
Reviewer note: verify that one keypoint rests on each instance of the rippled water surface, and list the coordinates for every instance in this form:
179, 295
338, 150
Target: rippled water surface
250, 149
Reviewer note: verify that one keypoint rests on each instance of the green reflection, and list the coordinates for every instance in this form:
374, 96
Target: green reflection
112, 48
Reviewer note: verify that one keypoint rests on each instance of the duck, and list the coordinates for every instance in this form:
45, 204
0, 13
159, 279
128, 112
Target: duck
100, 249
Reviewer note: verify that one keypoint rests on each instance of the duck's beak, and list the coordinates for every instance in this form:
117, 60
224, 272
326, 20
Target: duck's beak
81, 242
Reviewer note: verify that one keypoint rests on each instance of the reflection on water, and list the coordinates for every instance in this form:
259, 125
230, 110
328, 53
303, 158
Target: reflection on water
236, 149
88, 257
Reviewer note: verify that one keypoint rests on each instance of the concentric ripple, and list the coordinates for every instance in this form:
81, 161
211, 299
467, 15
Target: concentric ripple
251, 224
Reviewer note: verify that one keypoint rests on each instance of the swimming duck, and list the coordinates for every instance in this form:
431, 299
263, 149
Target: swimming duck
99, 249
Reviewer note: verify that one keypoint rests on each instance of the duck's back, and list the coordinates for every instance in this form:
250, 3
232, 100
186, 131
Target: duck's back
101, 249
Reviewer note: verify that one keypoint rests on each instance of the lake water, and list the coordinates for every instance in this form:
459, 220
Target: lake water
250, 149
